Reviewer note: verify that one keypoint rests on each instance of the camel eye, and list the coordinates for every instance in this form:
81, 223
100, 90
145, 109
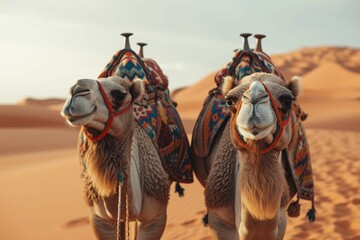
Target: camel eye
229, 102
286, 103
118, 96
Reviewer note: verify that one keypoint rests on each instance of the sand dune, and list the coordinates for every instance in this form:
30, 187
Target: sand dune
32, 114
41, 188
34, 139
41, 102
190, 99
301, 62
41, 194
334, 80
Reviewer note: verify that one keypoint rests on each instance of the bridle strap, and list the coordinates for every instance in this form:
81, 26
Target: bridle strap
281, 122
112, 114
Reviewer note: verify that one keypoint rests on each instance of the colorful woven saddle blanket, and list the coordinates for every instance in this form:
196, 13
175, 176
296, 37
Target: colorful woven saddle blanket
299, 156
214, 115
156, 113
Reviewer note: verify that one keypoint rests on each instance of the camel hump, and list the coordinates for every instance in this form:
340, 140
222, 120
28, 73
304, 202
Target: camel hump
129, 65
158, 79
125, 64
244, 63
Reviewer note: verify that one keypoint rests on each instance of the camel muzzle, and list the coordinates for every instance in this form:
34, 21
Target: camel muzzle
281, 121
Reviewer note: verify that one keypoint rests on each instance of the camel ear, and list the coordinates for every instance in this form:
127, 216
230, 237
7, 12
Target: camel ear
227, 85
137, 89
294, 86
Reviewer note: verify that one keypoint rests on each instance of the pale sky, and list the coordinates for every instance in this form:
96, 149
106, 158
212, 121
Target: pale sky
46, 45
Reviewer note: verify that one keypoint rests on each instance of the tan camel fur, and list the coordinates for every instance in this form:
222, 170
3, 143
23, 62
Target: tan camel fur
246, 191
146, 182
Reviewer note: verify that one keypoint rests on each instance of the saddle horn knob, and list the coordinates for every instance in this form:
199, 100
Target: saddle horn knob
127, 41
258, 37
141, 51
245, 41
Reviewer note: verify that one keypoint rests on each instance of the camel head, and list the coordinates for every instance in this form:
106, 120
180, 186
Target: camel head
260, 129
103, 104
261, 110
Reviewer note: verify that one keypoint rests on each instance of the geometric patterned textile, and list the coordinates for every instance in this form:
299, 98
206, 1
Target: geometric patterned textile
126, 64
245, 63
156, 113
212, 116
299, 157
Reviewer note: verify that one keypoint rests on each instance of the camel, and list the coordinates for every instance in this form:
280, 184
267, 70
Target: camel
122, 163
249, 149
246, 190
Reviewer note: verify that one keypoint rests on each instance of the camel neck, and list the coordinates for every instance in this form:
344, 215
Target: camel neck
120, 153
262, 187
262, 184
258, 161
105, 159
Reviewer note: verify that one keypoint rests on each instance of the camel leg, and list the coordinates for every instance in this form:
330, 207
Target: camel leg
152, 219
222, 224
152, 229
251, 228
106, 230
103, 229
282, 224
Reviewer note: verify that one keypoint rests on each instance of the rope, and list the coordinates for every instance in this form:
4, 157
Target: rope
118, 233
127, 216
121, 178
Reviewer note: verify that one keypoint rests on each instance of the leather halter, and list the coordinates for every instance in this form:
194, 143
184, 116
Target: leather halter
112, 114
282, 121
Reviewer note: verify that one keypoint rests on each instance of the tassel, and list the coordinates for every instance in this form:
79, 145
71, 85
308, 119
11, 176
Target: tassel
121, 176
294, 209
311, 213
179, 189
303, 116
205, 220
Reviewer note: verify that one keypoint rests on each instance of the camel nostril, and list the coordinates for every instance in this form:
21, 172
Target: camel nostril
71, 110
65, 111
80, 90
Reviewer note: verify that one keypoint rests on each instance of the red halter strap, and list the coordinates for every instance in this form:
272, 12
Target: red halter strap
112, 114
282, 121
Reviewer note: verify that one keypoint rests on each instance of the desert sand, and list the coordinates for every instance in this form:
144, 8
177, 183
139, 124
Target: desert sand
41, 188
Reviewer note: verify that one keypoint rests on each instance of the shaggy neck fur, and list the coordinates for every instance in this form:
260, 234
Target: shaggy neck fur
99, 165
262, 183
